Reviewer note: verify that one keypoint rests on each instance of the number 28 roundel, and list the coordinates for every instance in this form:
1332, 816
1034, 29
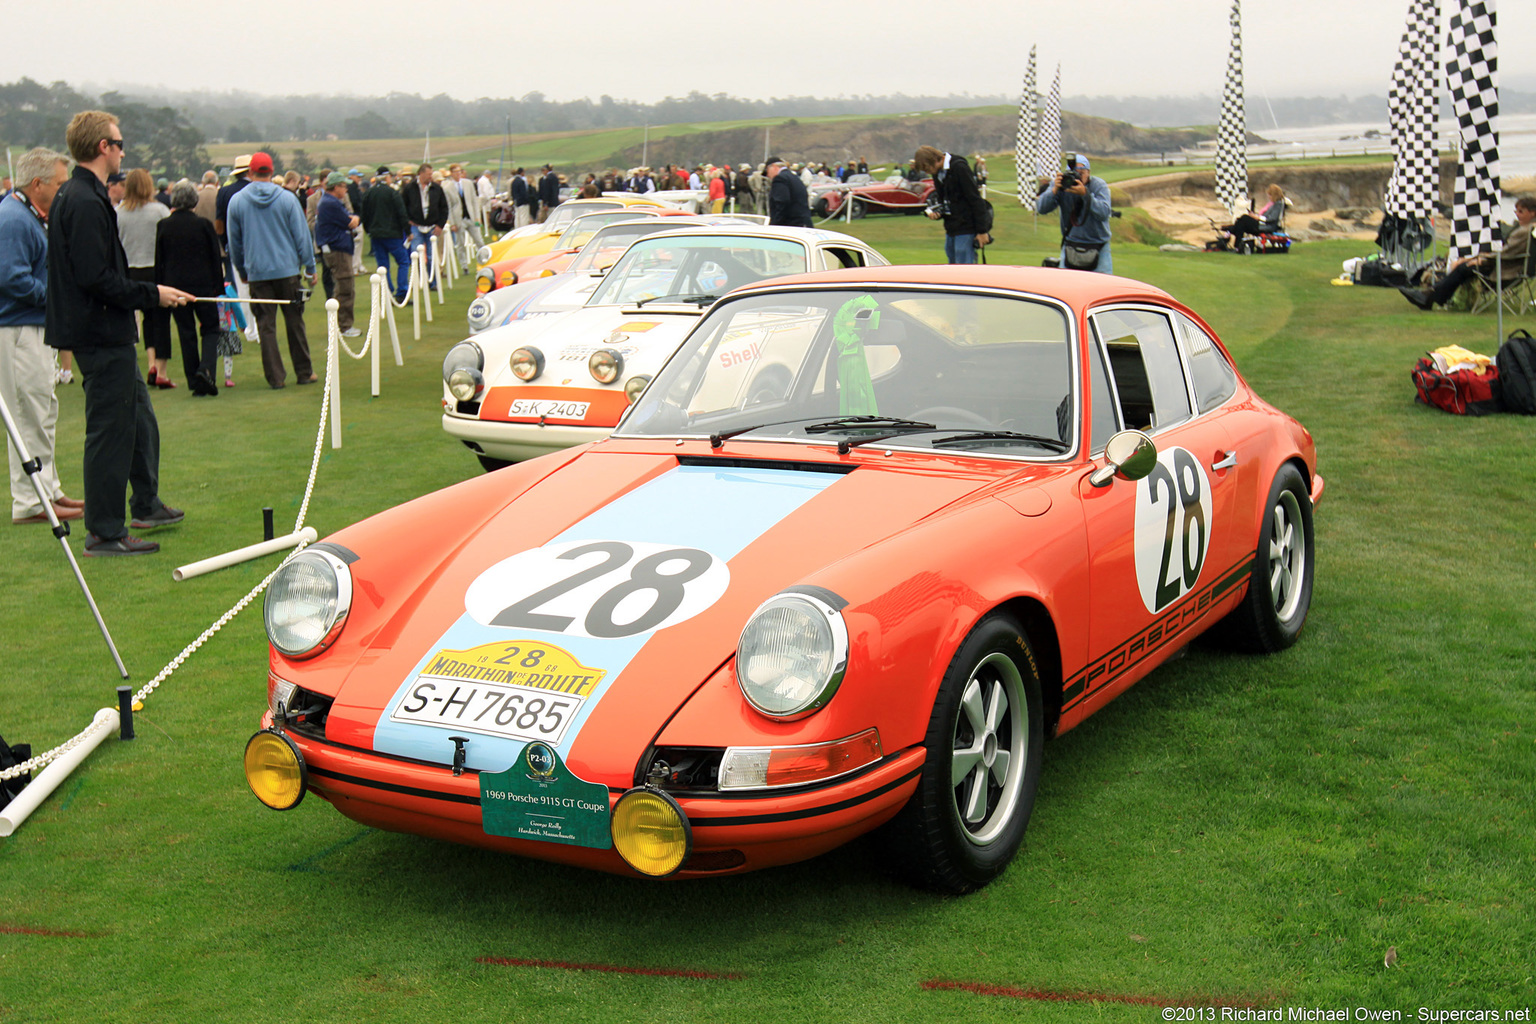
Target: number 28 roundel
597, 588
1173, 528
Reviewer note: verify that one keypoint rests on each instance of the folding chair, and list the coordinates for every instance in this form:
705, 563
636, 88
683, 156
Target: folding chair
1517, 292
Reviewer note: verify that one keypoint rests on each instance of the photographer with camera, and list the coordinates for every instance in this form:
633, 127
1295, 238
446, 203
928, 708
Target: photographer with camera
1084, 204
956, 200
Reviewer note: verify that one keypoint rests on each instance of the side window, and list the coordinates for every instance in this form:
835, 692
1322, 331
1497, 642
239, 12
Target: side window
1214, 378
1106, 419
1144, 361
837, 259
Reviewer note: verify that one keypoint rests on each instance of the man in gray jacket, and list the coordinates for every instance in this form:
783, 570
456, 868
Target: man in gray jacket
1084, 204
269, 243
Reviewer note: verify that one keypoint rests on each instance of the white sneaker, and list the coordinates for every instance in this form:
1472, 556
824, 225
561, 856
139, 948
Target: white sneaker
351, 332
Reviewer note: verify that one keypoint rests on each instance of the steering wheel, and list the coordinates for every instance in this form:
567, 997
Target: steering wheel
939, 414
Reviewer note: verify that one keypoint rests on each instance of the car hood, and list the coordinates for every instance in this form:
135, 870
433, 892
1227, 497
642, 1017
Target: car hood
496, 606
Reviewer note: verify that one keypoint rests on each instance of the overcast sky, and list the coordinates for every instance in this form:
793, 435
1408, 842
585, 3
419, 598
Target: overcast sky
786, 47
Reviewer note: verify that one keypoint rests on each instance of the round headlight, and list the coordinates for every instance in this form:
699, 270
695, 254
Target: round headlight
485, 281
792, 656
606, 365
526, 363
307, 604
634, 386
479, 314
465, 384
275, 770
651, 832
464, 354
484, 255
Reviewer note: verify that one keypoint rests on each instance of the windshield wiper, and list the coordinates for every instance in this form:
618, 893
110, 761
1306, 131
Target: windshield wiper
701, 300
1053, 443
861, 421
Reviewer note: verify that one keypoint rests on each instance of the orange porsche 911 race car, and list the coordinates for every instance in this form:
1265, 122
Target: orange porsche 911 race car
866, 540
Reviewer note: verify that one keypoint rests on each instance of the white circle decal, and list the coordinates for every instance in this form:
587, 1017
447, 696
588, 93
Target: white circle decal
597, 588
1173, 528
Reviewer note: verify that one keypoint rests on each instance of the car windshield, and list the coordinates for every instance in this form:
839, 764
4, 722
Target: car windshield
561, 216
605, 247
954, 371
696, 268
584, 226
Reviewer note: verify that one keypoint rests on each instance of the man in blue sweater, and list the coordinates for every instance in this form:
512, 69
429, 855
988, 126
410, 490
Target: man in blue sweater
269, 244
1084, 204
27, 367
333, 234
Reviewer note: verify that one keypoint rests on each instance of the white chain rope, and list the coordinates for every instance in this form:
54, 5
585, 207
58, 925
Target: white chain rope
411, 287
373, 330
43, 760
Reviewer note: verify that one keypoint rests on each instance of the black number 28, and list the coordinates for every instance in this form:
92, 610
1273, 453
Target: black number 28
1182, 487
669, 589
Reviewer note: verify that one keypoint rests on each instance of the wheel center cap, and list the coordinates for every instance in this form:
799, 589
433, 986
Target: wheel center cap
989, 749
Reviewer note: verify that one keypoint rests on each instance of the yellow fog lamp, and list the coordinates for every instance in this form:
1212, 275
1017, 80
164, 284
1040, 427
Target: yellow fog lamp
275, 770
651, 832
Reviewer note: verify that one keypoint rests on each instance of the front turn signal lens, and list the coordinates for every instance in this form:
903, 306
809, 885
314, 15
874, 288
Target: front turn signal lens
275, 770
771, 767
651, 832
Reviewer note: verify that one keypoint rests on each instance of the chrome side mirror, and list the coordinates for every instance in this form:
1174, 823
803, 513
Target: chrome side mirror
1130, 455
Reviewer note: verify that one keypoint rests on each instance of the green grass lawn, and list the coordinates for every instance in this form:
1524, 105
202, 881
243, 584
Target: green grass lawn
1234, 829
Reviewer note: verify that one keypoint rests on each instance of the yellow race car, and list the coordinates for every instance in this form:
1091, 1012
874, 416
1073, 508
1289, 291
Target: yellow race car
537, 239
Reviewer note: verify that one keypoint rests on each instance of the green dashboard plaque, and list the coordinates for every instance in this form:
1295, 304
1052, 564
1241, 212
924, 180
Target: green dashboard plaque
538, 798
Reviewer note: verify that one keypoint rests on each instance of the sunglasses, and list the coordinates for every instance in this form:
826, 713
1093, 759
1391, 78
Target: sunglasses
115, 143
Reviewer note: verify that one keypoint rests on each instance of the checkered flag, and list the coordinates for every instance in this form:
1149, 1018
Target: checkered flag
1473, 77
1048, 150
1232, 133
1024, 143
1411, 110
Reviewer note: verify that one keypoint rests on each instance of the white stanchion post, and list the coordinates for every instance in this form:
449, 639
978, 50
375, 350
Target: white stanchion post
437, 266
415, 295
333, 368
389, 314
374, 330
453, 260
38, 790
245, 554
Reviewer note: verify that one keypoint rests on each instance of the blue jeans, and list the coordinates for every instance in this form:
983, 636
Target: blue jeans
960, 248
1106, 264
383, 249
424, 238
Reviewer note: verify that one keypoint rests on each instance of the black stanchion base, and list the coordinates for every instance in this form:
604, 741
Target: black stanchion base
125, 712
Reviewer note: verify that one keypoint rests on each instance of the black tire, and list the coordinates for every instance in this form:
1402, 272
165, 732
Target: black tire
819, 208
858, 209
956, 837
1280, 585
492, 464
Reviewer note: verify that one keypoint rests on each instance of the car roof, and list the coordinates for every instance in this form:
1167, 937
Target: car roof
810, 236
1075, 287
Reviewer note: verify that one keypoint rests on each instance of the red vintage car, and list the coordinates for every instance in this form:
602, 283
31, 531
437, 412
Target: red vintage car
895, 195
866, 541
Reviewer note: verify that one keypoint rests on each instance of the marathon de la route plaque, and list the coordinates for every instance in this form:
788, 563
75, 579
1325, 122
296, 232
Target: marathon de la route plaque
539, 798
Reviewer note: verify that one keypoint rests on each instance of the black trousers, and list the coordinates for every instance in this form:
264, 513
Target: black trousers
122, 439
199, 317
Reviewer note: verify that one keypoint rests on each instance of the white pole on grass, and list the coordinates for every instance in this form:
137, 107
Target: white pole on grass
374, 295
415, 294
333, 367
245, 554
38, 790
387, 311
437, 264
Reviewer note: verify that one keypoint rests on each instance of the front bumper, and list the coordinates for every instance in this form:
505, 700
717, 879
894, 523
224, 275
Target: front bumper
517, 441
731, 834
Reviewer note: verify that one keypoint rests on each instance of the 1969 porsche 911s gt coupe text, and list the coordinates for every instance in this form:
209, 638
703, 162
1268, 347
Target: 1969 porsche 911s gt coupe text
977, 503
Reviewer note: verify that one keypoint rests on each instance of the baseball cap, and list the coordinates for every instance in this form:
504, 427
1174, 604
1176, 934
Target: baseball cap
113, 179
771, 161
260, 162
1079, 160
335, 178
383, 170
242, 162
356, 172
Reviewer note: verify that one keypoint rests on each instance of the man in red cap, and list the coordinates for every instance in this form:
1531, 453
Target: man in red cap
269, 244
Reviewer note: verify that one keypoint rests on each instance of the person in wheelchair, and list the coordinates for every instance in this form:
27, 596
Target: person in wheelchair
1267, 222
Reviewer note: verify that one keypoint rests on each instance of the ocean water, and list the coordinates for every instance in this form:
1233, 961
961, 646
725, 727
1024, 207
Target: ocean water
1517, 141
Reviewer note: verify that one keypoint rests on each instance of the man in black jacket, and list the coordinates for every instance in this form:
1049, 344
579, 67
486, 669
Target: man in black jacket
956, 199
788, 202
385, 220
90, 307
549, 192
427, 208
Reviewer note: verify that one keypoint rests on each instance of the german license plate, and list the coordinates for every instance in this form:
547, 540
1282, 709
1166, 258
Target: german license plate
551, 407
509, 711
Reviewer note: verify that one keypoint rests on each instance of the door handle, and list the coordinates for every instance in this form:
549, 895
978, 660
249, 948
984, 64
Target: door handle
1228, 460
